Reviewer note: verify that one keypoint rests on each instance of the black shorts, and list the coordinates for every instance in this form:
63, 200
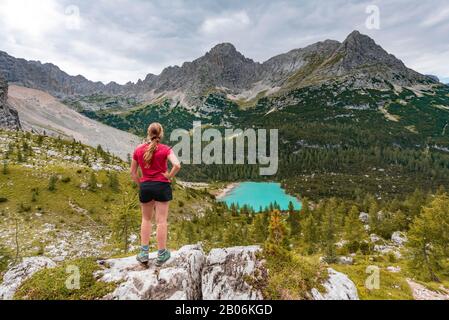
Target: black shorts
154, 190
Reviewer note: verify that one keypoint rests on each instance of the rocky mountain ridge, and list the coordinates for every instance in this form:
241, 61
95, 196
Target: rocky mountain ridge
358, 62
48, 77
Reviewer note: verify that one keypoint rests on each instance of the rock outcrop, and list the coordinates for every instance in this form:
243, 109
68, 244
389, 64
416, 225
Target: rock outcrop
189, 274
236, 273
9, 118
21, 272
422, 293
179, 278
338, 287
227, 272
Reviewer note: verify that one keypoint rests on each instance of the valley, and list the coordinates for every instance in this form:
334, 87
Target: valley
363, 147
40, 112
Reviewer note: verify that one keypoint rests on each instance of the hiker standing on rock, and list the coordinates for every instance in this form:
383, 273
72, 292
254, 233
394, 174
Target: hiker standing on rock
155, 192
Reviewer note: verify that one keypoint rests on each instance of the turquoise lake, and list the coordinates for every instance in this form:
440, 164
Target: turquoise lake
260, 194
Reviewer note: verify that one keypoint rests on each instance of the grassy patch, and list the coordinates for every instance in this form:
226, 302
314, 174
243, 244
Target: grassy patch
50, 284
392, 286
293, 280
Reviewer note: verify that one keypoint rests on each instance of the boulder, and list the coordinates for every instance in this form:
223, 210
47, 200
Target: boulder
227, 272
340, 244
399, 238
345, 260
364, 217
387, 249
14, 277
374, 238
179, 278
338, 287
394, 269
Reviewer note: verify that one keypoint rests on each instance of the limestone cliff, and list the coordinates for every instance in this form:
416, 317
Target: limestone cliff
9, 118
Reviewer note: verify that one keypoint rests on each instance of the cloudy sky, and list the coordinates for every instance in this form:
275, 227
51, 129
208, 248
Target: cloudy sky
123, 40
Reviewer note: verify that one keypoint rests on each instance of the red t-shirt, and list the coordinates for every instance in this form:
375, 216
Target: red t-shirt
158, 165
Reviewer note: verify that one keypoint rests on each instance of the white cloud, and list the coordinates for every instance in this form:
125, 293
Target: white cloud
225, 23
436, 18
34, 18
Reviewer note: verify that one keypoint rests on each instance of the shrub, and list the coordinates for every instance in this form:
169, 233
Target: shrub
52, 183
92, 185
5, 258
114, 182
66, 179
294, 279
24, 207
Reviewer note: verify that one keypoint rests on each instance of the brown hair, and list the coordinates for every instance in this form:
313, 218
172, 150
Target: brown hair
155, 135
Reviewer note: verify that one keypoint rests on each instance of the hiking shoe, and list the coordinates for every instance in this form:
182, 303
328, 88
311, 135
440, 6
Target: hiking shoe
162, 258
142, 257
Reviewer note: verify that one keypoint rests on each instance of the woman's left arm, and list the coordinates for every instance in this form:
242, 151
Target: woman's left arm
134, 171
176, 165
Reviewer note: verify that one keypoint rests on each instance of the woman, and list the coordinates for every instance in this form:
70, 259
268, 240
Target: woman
155, 191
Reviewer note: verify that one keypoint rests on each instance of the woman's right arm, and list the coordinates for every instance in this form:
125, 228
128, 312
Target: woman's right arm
134, 171
176, 165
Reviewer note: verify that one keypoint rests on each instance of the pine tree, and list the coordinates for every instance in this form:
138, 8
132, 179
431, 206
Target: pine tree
354, 231
277, 244
428, 238
114, 182
40, 140
5, 170
52, 183
329, 232
233, 234
414, 203
19, 156
309, 230
189, 232
125, 220
234, 209
294, 220
259, 227
374, 216
92, 182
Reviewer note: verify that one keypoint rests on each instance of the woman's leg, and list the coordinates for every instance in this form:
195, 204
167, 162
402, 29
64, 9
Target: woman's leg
145, 228
161, 221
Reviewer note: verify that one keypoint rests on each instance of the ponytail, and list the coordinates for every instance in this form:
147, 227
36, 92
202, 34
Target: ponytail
155, 135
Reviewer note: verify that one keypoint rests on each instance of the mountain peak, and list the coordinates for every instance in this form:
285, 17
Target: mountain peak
359, 49
354, 34
223, 48
355, 37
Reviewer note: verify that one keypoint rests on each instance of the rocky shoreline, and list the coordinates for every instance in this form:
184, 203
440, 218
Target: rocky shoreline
224, 192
